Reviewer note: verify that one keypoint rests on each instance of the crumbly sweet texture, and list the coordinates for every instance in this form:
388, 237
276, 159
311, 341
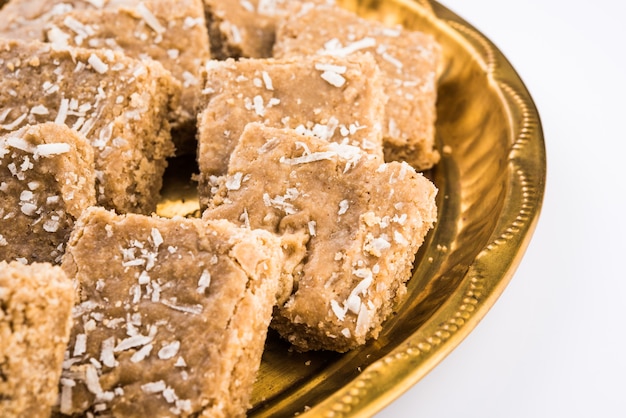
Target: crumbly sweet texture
35, 320
246, 28
47, 180
119, 104
336, 99
351, 226
171, 32
172, 316
407, 59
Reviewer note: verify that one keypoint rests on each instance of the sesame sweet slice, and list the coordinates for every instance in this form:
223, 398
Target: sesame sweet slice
47, 180
335, 99
172, 316
350, 225
119, 104
408, 61
35, 319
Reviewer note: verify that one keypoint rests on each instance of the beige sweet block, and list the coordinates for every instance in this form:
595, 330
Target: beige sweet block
350, 226
46, 181
35, 320
172, 316
246, 28
169, 31
336, 99
407, 59
119, 104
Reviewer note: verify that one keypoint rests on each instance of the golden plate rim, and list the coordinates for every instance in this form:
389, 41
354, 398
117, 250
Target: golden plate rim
386, 379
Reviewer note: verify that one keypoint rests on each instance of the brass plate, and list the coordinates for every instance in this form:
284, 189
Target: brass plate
491, 184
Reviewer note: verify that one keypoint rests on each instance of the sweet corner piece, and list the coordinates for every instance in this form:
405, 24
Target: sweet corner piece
408, 60
35, 319
350, 226
336, 99
121, 105
47, 180
172, 317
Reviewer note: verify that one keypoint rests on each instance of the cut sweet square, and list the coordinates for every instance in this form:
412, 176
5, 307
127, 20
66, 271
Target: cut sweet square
172, 316
408, 61
350, 224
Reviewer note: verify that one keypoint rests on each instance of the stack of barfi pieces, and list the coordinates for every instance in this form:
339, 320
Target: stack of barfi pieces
310, 127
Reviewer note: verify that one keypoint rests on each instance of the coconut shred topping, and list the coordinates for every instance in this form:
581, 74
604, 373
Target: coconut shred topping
332, 73
335, 48
150, 18
351, 155
40, 150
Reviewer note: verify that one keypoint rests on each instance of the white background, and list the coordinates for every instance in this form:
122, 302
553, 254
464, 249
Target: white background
554, 345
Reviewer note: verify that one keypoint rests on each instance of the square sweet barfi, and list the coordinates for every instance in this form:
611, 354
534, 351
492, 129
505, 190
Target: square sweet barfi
354, 221
47, 180
246, 28
336, 99
35, 319
121, 105
408, 61
169, 31
172, 316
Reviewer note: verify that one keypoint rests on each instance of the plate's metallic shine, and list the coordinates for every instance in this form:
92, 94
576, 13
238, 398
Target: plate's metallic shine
491, 184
